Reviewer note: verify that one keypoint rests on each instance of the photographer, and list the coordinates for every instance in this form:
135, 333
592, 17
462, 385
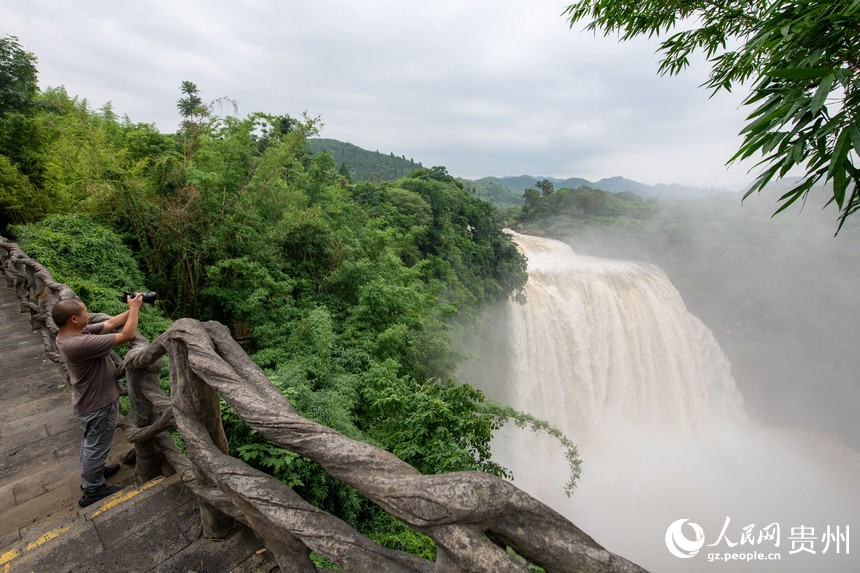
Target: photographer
96, 390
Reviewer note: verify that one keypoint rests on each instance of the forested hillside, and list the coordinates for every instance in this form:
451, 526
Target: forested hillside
357, 164
491, 190
346, 294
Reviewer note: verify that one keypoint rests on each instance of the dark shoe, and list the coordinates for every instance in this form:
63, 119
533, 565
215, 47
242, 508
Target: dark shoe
93, 495
110, 470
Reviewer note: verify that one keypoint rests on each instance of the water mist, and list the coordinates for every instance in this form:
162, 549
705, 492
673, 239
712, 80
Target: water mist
607, 351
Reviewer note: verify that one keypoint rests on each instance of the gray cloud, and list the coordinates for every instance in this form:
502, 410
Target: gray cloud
484, 88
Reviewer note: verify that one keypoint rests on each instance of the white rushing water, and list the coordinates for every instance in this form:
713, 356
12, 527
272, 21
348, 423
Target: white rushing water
607, 351
612, 338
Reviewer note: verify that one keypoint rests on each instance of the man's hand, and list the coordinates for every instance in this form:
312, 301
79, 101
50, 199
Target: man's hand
130, 326
116, 321
135, 302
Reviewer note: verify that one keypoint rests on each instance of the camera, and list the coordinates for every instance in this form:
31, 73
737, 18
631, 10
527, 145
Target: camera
148, 297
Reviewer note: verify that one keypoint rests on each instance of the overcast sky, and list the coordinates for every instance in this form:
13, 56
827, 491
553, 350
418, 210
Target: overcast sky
483, 87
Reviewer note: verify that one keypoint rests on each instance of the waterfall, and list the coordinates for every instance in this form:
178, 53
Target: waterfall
607, 351
601, 338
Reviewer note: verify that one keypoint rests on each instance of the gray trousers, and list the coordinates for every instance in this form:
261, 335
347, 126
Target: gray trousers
99, 427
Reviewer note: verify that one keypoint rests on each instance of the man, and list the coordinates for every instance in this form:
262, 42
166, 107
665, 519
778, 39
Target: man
95, 388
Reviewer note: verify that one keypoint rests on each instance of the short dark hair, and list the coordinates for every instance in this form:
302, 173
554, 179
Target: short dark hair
65, 309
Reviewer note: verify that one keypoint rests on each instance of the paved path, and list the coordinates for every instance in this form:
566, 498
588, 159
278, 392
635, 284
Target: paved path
39, 433
153, 527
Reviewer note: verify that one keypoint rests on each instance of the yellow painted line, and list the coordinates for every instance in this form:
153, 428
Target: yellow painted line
8, 556
115, 501
47, 537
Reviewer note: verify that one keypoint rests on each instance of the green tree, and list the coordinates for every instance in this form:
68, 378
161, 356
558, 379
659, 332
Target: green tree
193, 112
19, 167
18, 197
531, 201
196, 115
343, 171
66, 157
190, 105
18, 77
802, 60
546, 187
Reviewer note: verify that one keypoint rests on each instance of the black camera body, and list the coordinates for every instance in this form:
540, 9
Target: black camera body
148, 297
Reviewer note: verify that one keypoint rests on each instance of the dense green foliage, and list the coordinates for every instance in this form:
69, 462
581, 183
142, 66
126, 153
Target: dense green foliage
18, 90
357, 164
802, 60
61, 157
18, 77
492, 190
563, 207
347, 295
91, 259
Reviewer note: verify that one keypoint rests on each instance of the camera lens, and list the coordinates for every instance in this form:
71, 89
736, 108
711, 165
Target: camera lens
148, 297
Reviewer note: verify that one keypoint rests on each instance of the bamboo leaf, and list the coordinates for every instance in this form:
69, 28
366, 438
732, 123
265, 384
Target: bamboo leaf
840, 182
840, 153
799, 73
792, 196
821, 93
854, 132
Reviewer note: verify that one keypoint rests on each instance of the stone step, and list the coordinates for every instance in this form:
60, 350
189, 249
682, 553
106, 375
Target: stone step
13, 395
30, 429
31, 458
39, 432
35, 406
13, 309
33, 351
154, 527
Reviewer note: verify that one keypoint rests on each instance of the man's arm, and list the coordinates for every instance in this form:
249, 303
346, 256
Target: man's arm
115, 322
130, 326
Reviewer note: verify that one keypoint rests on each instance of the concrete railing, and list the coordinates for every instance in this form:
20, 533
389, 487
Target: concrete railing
474, 518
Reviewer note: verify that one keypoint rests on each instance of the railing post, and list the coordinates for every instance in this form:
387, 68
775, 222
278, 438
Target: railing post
200, 400
147, 453
21, 284
5, 254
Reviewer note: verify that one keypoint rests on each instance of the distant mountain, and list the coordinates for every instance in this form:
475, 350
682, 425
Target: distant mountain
508, 191
520, 183
364, 165
660, 191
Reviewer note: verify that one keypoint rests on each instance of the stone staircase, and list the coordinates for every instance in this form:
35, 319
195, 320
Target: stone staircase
152, 527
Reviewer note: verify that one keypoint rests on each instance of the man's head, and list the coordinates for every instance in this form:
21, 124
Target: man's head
64, 310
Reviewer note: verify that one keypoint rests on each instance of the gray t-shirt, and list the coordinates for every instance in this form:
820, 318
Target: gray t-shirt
91, 371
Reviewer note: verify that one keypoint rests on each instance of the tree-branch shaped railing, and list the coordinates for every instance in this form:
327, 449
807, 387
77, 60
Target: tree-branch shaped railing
37, 291
471, 516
